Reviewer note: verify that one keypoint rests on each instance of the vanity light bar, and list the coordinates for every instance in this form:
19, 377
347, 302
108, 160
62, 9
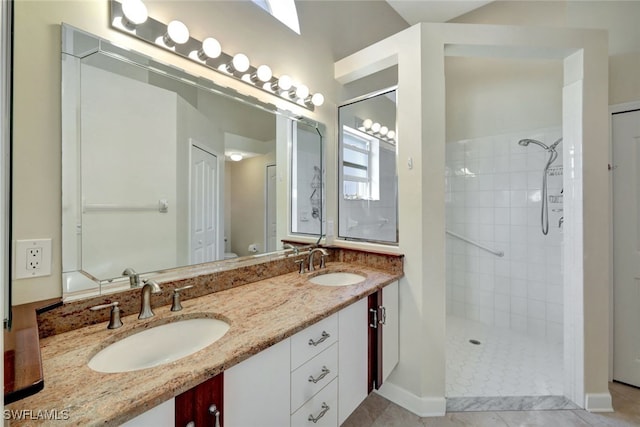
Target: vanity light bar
376, 129
130, 17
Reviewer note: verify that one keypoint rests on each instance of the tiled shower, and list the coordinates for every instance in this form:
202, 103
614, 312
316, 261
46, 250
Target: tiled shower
493, 198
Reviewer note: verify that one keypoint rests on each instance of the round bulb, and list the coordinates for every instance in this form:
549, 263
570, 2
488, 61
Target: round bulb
367, 123
264, 73
211, 47
134, 11
178, 32
284, 82
302, 91
240, 62
317, 99
236, 157
375, 127
391, 134
384, 130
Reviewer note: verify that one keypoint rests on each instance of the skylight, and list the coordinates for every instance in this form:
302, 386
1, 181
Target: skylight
283, 10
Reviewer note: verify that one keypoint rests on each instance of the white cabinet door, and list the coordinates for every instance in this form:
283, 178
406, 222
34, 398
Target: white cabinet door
352, 358
390, 329
257, 391
162, 415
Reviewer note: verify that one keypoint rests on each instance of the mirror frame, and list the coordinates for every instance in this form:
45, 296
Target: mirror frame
78, 44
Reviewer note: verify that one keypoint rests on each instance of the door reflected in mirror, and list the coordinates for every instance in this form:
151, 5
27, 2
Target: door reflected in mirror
164, 170
368, 179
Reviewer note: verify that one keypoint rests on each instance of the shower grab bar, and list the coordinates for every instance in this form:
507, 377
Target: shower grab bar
476, 244
162, 206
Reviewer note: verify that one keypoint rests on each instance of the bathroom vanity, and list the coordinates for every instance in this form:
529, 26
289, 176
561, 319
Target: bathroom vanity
267, 361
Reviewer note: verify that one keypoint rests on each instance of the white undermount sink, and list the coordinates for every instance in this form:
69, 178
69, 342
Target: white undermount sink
337, 279
159, 345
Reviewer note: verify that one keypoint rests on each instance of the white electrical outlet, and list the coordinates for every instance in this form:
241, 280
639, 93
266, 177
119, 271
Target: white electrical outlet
32, 258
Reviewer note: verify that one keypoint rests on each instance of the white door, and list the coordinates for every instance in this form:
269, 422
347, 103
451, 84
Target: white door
204, 206
271, 242
626, 248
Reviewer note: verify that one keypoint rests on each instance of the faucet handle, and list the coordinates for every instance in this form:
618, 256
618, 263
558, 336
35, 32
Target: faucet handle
176, 306
114, 320
300, 263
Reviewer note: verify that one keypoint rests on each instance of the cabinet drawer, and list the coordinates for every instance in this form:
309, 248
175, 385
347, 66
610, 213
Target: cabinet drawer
323, 407
312, 340
322, 368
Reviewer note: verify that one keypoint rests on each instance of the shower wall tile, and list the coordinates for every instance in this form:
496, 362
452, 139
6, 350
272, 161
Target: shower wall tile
493, 195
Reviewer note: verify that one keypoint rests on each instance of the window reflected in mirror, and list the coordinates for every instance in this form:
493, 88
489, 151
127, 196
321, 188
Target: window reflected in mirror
367, 205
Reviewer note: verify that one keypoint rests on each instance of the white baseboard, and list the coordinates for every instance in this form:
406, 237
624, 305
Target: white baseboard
421, 406
598, 402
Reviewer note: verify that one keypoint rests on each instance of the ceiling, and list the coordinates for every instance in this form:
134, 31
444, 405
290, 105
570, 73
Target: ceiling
414, 11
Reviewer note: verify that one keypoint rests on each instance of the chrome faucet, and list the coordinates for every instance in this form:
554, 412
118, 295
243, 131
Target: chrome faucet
323, 254
149, 287
134, 278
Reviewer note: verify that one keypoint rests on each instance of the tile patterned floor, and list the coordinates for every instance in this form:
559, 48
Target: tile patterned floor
376, 411
504, 364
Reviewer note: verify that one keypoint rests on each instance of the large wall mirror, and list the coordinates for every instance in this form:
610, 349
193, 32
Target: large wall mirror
162, 169
368, 189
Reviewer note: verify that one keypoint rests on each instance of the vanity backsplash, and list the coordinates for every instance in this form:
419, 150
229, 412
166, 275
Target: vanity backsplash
64, 317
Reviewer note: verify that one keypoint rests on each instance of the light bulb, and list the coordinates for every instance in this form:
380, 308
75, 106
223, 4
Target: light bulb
375, 127
135, 13
177, 33
384, 130
391, 134
367, 123
240, 62
210, 49
317, 99
283, 83
236, 157
262, 74
302, 91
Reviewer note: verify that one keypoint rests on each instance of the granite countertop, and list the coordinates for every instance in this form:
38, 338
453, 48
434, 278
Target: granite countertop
260, 314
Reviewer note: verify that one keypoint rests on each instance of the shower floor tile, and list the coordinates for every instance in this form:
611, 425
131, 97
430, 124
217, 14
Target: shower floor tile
505, 363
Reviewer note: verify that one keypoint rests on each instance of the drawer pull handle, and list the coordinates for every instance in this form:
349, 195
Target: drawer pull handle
213, 410
374, 323
322, 339
325, 371
324, 410
383, 310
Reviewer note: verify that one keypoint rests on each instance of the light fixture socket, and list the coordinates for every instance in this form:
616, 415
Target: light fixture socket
210, 49
177, 33
239, 63
317, 99
134, 13
284, 83
262, 74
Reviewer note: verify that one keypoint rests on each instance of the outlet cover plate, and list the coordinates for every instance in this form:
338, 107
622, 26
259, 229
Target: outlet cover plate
21, 269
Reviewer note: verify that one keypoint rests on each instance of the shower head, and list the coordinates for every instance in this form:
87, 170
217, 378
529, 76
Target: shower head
527, 141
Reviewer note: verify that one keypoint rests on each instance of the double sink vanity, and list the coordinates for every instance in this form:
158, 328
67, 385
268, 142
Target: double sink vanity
280, 347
